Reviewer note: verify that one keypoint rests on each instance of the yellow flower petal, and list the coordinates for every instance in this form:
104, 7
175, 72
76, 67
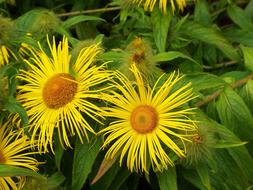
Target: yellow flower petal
148, 122
54, 99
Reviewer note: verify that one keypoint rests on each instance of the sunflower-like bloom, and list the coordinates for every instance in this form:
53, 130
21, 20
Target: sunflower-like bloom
14, 148
54, 98
4, 55
149, 4
148, 124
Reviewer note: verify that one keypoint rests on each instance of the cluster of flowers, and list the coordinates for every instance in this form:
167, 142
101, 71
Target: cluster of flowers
58, 96
147, 122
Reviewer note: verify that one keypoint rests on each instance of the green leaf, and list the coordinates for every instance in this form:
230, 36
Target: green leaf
249, 9
243, 160
239, 36
203, 172
168, 56
11, 171
227, 138
84, 157
203, 81
55, 180
239, 153
248, 57
246, 92
233, 76
160, 25
229, 171
3, 71
119, 180
13, 106
193, 177
209, 35
222, 144
229, 156
112, 55
58, 152
40, 22
167, 179
77, 19
240, 17
234, 114
201, 12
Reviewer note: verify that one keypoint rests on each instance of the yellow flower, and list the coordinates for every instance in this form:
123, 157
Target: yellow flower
13, 152
56, 99
148, 122
4, 55
149, 4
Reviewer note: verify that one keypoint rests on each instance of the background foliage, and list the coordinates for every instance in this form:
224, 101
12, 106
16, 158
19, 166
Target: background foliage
211, 42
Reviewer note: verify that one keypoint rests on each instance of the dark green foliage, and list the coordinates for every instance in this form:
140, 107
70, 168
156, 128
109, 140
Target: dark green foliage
210, 42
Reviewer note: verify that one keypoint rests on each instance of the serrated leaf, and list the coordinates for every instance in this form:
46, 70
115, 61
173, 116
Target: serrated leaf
248, 57
209, 35
11, 171
240, 17
167, 179
160, 25
84, 157
78, 19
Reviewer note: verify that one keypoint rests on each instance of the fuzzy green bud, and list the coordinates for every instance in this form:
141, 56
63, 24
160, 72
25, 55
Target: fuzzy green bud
7, 28
35, 184
202, 146
140, 53
46, 22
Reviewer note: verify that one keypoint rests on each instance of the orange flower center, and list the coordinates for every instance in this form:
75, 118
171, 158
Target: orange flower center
2, 158
59, 90
197, 139
144, 119
138, 57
